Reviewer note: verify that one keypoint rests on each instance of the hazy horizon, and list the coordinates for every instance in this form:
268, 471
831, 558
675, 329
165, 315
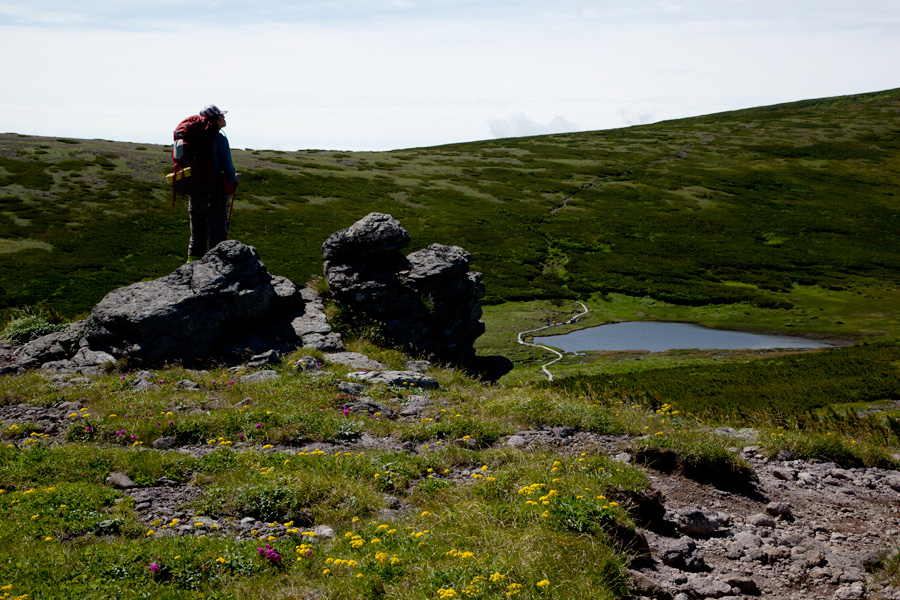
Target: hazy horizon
354, 75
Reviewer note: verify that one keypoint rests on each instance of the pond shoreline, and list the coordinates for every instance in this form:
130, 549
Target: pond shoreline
620, 336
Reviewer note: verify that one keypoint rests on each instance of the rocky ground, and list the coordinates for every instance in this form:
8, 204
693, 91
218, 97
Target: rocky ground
811, 530
805, 530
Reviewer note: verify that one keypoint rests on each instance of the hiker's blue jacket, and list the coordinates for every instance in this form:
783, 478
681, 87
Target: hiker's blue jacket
221, 156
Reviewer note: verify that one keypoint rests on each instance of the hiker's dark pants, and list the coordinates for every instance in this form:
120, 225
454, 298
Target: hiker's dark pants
209, 221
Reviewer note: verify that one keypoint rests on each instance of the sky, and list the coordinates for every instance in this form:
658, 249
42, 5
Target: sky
392, 74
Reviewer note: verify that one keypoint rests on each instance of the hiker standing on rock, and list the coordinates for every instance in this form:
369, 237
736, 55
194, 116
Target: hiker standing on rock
214, 179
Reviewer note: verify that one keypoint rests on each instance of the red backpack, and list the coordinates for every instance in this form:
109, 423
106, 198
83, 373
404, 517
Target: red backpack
193, 171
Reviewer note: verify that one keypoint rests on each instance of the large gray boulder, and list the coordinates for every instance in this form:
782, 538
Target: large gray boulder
225, 307
375, 235
426, 303
188, 313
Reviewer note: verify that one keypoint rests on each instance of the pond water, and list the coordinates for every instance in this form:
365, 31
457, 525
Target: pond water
655, 336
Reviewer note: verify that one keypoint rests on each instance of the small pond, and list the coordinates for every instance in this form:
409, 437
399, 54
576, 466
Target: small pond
654, 336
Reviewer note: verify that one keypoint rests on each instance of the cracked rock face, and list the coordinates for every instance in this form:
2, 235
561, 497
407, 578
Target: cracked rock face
427, 303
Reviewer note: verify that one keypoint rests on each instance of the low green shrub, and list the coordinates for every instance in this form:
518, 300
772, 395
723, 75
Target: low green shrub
886, 566
65, 511
542, 409
30, 324
481, 433
700, 456
838, 448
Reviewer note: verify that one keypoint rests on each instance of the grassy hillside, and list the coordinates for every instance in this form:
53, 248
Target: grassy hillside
781, 218
733, 207
347, 510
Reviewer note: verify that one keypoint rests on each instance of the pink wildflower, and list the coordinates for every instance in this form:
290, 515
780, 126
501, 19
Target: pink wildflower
270, 555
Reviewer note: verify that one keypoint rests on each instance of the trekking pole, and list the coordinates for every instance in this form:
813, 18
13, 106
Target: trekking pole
230, 210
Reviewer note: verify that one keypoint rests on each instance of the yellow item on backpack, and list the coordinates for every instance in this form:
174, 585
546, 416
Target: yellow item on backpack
182, 174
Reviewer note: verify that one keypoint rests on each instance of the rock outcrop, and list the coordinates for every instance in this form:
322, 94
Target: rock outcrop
228, 308
425, 303
225, 307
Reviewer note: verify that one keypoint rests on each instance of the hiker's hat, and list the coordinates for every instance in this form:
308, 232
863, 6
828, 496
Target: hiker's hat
212, 111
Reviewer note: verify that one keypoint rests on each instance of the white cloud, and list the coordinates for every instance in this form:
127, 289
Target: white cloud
637, 118
519, 125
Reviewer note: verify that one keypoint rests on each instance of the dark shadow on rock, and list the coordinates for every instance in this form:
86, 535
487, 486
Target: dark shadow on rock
426, 304
646, 507
489, 368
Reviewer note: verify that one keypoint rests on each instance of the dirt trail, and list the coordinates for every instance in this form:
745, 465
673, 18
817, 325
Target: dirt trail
556, 352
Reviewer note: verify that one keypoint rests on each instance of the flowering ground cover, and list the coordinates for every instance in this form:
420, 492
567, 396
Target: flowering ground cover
277, 490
